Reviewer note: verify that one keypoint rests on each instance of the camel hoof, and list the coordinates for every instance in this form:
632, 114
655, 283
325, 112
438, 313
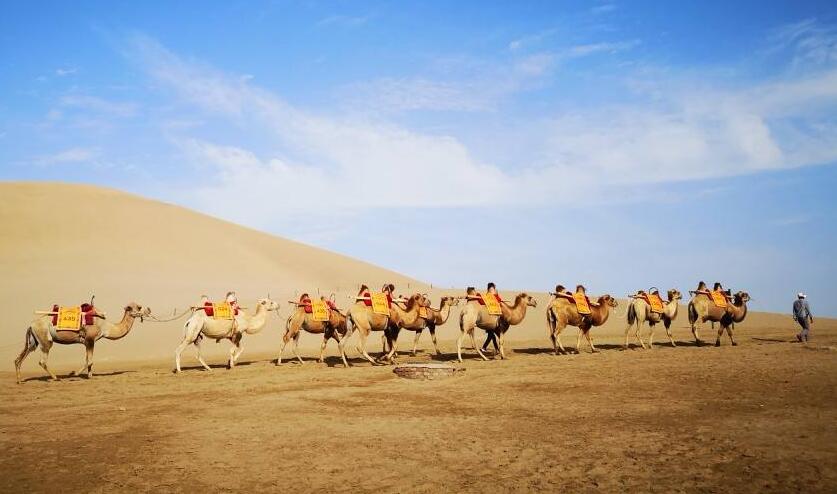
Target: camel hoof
717, 343
734, 344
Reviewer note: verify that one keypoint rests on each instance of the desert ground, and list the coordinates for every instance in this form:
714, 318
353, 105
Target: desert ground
757, 417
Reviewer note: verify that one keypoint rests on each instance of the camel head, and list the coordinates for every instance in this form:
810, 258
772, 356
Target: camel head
135, 310
451, 300
607, 299
674, 294
530, 300
268, 304
742, 297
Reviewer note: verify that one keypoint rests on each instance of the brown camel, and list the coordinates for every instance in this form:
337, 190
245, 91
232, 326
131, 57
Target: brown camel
361, 317
736, 314
41, 333
474, 315
435, 317
639, 311
561, 312
703, 309
299, 320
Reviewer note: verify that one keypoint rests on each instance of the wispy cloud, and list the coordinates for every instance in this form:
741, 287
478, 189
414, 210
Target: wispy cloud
65, 71
593, 48
811, 41
684, 134
99, 105
344, 20
531, 39
69, 156
603, 9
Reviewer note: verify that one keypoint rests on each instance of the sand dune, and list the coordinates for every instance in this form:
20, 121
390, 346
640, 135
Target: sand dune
60, 243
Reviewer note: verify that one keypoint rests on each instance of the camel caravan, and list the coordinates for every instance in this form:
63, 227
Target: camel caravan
387, 314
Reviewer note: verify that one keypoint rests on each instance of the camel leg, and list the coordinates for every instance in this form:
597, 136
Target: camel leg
239, 348
459, 345
326, 337
340, 347
435, 343
476, 347
29, 346
501, 339
285, 339
361, 347
720, 333
627, 331
695, 334
198, 353
667, 325
578, 341
729, 333
88, 357
590, 341
177, 352
638, 336
416, 340
296, 348
43, 363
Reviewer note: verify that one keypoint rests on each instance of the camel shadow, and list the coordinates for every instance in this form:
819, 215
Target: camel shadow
534, 351
772, 340
76, 377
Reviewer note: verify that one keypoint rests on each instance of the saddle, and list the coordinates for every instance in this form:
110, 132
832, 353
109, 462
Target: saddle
223, 310
582, 303
72, 318
492, 303
319, 309
654, 301
381, 303
719, 299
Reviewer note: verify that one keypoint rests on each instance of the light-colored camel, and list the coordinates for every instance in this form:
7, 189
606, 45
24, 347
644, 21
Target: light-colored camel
561, 313
361, 317
639, 312
737, 313
435, 317
41, 333
300, 320
474, 315
702, 309
200, 326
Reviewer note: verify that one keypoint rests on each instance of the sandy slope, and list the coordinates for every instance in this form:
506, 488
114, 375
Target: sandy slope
60, 243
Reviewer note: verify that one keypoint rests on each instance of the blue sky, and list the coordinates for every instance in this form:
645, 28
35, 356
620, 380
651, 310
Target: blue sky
616, 144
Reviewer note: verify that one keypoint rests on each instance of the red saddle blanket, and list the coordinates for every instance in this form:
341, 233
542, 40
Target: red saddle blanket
87, 310
210, 311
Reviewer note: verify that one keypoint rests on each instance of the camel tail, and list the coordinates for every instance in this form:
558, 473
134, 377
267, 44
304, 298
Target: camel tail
631, 314
31, 341
550, 320
693, 315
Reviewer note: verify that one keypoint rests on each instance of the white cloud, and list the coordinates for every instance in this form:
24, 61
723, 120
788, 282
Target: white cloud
99, 105
65, 71
344, 20
67, 156
322, 163
593, 48
603, 9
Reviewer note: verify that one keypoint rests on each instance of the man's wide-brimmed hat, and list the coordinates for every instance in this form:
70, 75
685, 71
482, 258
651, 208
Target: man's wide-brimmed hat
800, 295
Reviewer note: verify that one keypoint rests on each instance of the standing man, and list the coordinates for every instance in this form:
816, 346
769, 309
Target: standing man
802, 315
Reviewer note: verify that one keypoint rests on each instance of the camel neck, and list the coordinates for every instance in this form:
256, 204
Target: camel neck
120, 329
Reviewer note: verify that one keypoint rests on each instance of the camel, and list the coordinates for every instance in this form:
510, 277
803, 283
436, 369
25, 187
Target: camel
42, 333
200, 326
335, 327
435, 317
561, 312
361, 317
701, 310
639, 311
474, 315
